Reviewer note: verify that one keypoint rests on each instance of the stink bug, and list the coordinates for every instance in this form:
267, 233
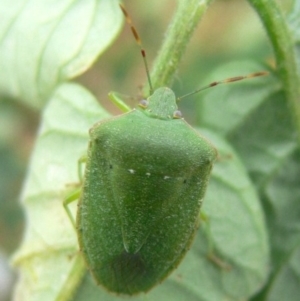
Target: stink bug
145, 179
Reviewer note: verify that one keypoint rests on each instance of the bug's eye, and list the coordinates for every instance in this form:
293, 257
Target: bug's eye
177, 114
144, 103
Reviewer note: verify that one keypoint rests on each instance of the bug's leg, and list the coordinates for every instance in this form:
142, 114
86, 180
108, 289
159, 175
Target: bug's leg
211, 254
73, 196
82, 160
75, 191
117, 100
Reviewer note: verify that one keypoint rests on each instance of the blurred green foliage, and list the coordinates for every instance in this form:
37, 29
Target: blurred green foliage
230, 31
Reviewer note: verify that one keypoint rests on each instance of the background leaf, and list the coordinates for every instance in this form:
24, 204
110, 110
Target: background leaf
49, 248
226, 107
286, 283
43, 43
281, 199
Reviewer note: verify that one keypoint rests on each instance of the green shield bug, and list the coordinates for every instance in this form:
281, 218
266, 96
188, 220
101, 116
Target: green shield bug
145, 177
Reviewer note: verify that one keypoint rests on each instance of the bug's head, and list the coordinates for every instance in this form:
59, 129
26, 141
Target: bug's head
161, 104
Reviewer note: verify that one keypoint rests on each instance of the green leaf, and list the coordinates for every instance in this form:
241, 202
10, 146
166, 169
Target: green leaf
282, 195
266, 138
286, 284
49, 250
225, 108
258, 123
44, 43
237, 225
255, 117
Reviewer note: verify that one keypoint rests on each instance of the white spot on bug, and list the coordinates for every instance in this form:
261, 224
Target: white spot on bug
177, 114
166, 177
144, 103
132, 171
148, 174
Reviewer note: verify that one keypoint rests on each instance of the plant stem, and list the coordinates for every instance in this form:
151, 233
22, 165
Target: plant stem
285, 52
185, 20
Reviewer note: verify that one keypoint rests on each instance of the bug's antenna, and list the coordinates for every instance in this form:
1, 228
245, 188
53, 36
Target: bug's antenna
226, 81
139, 42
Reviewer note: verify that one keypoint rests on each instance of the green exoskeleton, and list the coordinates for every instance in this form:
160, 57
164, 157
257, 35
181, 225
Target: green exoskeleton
145, 178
